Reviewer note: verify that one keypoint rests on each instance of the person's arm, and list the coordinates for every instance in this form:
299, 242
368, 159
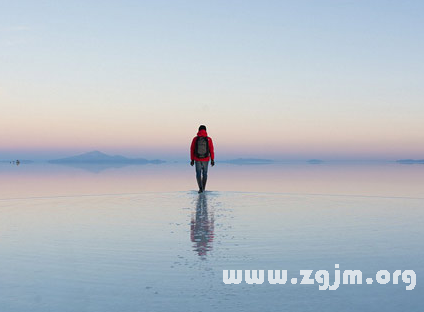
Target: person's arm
211, 151
192, 149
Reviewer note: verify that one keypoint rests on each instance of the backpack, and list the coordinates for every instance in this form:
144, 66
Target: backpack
201, 148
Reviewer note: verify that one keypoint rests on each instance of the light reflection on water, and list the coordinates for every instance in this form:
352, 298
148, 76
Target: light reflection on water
202, 227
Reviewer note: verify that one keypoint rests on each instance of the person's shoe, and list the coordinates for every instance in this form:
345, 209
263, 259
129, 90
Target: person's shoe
200, 191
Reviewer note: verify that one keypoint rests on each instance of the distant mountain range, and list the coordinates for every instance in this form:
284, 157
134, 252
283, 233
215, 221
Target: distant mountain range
410, 161
315, 161
261, 161
97, 157
248, 161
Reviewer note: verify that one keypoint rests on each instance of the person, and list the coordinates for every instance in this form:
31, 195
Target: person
201, 151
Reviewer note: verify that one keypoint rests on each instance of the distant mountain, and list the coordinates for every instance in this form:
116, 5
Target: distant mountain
248, 161
97, 157
315, 161
410, 161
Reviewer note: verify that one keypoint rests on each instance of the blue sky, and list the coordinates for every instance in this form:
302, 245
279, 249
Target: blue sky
294, 79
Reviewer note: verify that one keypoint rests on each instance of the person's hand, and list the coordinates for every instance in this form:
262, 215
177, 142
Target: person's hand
192, 163
212, 162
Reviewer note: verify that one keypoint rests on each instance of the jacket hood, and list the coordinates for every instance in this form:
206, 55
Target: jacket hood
202, 133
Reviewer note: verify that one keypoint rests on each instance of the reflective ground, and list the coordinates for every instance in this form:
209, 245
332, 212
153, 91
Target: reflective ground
140, 238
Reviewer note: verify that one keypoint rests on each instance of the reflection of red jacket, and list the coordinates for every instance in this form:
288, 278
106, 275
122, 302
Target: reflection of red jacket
202, 133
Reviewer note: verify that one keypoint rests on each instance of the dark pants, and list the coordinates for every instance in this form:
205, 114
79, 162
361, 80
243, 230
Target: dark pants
201, 173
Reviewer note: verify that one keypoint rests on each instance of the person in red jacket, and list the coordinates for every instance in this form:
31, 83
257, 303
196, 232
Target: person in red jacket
201, 151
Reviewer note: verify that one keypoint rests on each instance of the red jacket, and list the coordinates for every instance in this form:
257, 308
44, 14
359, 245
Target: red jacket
202, 133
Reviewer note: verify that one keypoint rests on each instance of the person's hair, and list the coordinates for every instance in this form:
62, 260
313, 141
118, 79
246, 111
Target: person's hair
202, 127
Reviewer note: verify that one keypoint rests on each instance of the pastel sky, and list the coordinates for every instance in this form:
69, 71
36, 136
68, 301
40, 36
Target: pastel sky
277, 79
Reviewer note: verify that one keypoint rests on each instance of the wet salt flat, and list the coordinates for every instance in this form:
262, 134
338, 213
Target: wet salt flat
64, 247
371, 179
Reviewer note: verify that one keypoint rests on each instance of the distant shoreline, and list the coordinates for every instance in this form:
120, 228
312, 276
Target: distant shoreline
410, 161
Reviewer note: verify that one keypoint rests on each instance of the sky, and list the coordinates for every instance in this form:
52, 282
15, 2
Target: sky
270, 79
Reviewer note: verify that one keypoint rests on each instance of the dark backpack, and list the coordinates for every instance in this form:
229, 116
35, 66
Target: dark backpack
201, 148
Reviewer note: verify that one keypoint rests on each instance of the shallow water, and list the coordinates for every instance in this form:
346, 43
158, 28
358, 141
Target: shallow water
71, 244
372, 179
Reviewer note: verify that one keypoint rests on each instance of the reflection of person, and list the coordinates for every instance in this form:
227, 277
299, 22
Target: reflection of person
201, 151
202, 227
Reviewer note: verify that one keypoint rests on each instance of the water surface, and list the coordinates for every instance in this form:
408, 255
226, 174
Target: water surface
140, 238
